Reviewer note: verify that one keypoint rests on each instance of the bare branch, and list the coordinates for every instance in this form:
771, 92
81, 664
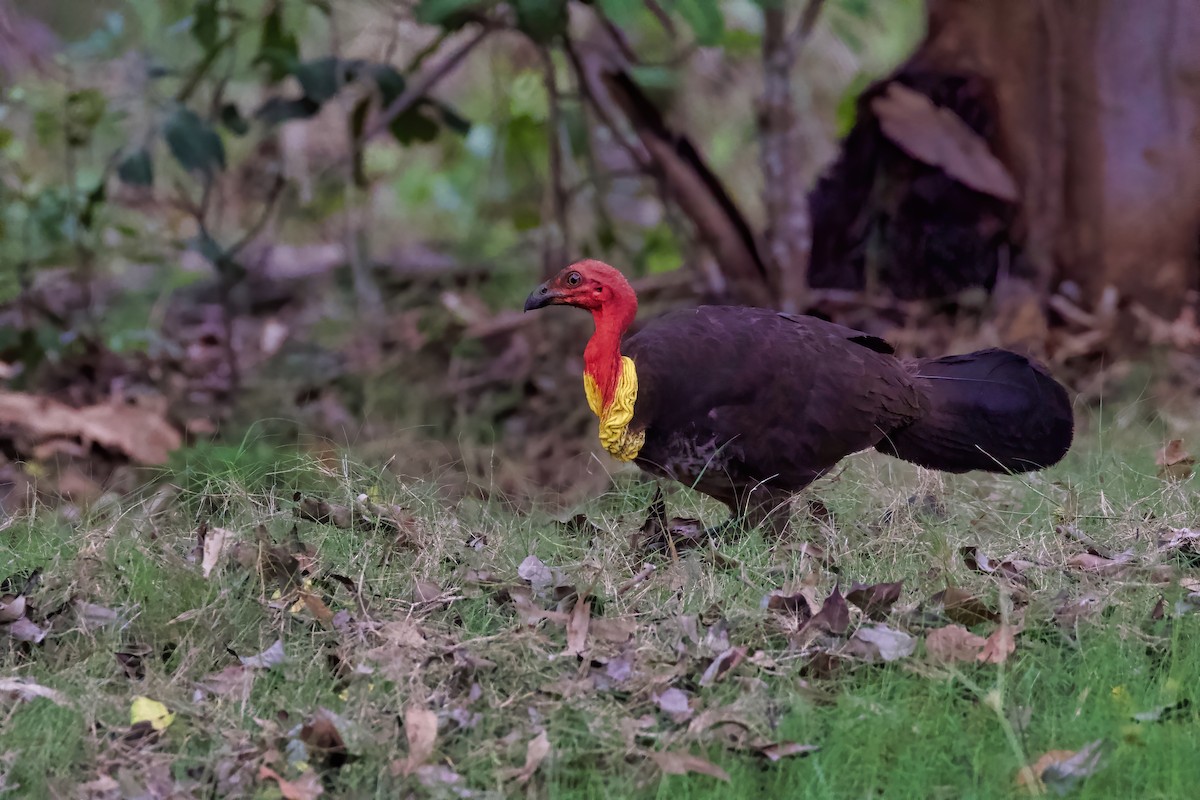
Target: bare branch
556, 243
789, 235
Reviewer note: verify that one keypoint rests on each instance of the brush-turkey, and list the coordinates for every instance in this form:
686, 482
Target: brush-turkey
749, 405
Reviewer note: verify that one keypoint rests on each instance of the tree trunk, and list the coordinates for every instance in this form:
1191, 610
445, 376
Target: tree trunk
1092, 105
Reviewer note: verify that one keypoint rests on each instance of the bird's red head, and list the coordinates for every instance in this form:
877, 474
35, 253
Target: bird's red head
592, 285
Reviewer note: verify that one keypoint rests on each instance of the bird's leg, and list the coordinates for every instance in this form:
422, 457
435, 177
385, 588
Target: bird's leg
768, 509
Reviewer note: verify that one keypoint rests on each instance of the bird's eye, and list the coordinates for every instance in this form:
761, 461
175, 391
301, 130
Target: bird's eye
573, 279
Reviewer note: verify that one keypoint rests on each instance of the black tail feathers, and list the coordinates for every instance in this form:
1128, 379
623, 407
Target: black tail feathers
992, 410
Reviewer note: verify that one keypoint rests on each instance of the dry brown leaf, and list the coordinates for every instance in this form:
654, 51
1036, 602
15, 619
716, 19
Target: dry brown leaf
214, 543
674, 703
273, 656
316, 606
780, 750
1174, 461
23, 689
420, 728
306, 787
1062, 770
683, 763
535, 753
963, 607
617, 630
577, 628
722, 664
875, 600
233, 681
952, 644
134, 430
324, 741
940, 138
1099, 565
999, 646
886, 643
834, 616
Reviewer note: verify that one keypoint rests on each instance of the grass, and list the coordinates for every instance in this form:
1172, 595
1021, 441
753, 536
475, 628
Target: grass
420, 615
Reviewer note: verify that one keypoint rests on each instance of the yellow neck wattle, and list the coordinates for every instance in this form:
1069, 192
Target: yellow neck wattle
615, 435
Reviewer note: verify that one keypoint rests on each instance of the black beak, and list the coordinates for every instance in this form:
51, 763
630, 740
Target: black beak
541, 297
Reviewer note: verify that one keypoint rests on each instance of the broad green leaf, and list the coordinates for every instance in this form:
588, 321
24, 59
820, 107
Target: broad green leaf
282, 109
414, 125
452, 119
322, 78
447, 13
232, 119
137, 168
390, 82
193, 142
206, 24
278, 48
542, 20
622, 12
705, 19
84, 110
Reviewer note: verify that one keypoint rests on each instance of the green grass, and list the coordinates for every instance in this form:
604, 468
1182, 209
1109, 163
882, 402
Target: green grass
902, 729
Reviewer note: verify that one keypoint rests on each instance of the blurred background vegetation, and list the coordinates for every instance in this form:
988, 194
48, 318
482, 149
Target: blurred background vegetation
253, 225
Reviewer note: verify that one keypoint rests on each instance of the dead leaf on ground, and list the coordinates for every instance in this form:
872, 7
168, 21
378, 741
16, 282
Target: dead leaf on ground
1011, 568
212, 542
1113, 567
797, 604
683, 763
577, 627
834, 616
953, 644
306, 787
324, 741
963, 607
1063, 770
875, 600
14, 620
1070, 612
133, 429
314, 509
1000, 645
939, 137
674, 703
887, 643
146, 710
722, 664
233, 681
660, 534
781, 750
273, 656
1174, 461
535, 753
536, 574
420, 729
27, 690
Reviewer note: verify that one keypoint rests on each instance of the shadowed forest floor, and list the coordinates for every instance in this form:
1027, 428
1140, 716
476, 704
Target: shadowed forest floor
316, 629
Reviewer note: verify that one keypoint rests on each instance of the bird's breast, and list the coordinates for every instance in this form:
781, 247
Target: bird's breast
615, 436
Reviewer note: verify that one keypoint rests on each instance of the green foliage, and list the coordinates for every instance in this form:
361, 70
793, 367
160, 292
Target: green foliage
194, 142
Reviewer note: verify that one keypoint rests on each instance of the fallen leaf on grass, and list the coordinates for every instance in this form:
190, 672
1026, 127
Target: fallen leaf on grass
535, 753
674, 703
15, 624
797, 604
234, 681
963, 607
978, 561
536, 574
722, 664
306, 787
1062, 770
1100, 565
875, 600
323, 740
781, 750
273, 656
145, 710
132, 429
1070, 612
834, 616
999, 646
953, 644
211, 545
577, 628
30, 690
888, 643
420, 728
683, 763
1174, 461
322, 512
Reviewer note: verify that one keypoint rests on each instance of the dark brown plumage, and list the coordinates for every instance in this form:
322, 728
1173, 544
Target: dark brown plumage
750, 406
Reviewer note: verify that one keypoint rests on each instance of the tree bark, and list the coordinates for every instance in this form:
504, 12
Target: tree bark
1094, 107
